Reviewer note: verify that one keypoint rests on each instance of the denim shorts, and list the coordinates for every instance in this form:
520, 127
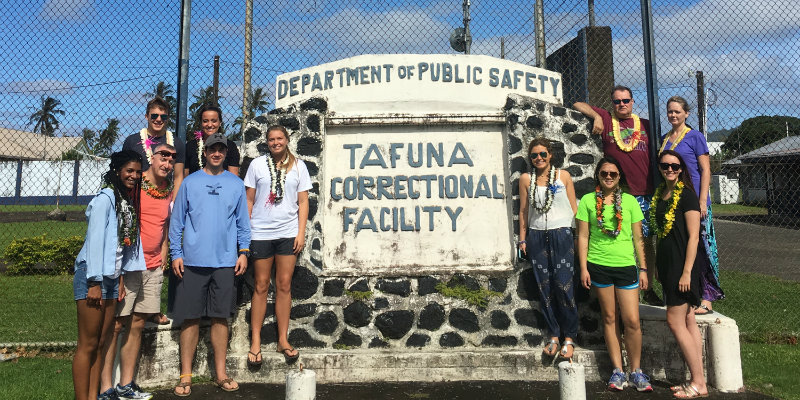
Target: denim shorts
80, 286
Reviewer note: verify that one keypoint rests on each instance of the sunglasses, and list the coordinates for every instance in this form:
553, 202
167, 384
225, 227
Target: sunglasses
167, 154
542, 154
667, 166
609, 174
154, 116
623, 101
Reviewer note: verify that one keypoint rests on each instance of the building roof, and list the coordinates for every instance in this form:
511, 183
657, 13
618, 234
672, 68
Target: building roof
786, 148
22, 145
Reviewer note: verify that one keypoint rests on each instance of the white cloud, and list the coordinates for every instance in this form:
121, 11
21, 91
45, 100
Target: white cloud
37, 87
67, 10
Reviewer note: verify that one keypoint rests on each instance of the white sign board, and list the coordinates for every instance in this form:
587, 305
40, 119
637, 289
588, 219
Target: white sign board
414, 199
417, 84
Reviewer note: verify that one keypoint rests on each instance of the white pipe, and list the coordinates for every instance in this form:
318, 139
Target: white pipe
301, 384
724, 358
572, 381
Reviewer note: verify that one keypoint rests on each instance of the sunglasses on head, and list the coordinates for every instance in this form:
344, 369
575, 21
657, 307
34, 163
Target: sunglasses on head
155, 116
542, 154
623, 101
167, 154
667, 166
609, 174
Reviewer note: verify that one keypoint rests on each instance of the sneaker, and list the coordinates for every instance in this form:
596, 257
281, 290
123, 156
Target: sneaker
132, 391
640, 381
618, 380
109, 394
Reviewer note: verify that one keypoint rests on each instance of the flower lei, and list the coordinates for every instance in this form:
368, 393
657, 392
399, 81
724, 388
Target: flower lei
634, 138
153, 191
617, 211
675, 144
126, 231
147, 143
200, 159
669, 217
277, 175
550, 192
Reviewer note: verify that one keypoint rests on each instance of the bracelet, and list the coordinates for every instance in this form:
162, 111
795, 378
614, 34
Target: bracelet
642, 269
521, 242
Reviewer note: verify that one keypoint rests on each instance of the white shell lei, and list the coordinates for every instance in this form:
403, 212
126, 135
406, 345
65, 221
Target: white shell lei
148, 151
277, 179
550, 192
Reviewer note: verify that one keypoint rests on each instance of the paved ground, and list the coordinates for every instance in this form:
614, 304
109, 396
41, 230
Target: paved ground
440, 391
757, 248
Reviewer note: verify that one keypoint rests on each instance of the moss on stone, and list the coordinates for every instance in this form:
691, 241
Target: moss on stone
357, 295
477, 298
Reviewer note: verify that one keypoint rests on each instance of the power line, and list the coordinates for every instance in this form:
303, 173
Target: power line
57, 89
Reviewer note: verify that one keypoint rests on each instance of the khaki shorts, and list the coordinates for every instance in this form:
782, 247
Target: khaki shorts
142, 292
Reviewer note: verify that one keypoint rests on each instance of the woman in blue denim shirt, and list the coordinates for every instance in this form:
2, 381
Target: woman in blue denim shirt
111, 246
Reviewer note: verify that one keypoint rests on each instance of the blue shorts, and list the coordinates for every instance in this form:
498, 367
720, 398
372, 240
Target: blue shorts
644, 203
80, 286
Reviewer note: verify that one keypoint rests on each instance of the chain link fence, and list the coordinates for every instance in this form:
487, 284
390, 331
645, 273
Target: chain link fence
77, 76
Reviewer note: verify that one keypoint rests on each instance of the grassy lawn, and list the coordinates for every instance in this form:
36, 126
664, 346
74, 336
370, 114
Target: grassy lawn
37, 309
772, 369
737, 209
36, 378
43, 208
12, 230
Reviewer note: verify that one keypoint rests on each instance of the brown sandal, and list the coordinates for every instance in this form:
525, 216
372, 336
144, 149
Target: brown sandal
227, 381
183, 385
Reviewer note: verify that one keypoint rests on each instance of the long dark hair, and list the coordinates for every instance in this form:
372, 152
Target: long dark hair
609, 160
683, 176
112, 180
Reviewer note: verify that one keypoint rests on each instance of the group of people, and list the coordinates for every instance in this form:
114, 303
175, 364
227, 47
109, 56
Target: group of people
182, 208
625, 227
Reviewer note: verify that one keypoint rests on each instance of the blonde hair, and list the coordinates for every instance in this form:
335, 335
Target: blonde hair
292, 160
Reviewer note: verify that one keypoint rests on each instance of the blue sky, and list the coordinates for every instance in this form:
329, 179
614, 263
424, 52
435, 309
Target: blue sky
100, 58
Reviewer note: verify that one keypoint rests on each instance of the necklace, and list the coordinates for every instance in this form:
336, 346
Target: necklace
154, 191
669, 217
277, 175
200, 160
675, 143
617, 211
633, 139
147, 143
549, 192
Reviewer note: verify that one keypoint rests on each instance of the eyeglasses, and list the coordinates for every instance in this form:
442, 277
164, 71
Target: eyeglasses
623, 101
609, 174
167, 154
667, 166
155, 116
542, 154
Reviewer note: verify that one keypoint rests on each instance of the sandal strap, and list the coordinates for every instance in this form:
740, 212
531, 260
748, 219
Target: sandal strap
183, 384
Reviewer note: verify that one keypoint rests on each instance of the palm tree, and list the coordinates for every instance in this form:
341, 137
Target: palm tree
166, 92
203, 96
108, 136
44, 120
257, 102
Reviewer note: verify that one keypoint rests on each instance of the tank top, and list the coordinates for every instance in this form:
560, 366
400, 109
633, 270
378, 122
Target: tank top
560, 214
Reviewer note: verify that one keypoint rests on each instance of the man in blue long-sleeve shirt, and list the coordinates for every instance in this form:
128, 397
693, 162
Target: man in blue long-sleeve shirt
209, 237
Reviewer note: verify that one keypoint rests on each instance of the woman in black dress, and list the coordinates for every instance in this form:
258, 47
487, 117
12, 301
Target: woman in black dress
676, 222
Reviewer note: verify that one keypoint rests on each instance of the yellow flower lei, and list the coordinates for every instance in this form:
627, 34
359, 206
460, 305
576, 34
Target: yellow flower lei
669, 218
675, 144
635, 137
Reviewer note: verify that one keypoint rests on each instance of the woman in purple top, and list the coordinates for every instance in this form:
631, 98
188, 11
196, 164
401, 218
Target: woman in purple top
692, 146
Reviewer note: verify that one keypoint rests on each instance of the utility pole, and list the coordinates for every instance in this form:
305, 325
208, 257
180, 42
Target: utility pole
248, 60
502, 47
467, 35
538, 16
701, 103
183, 68
651, 80
591, 12
216, 80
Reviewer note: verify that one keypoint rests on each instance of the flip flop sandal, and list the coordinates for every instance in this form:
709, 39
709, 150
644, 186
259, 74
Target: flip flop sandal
704, 307
677, 388
563, 352
551, 348
289, 359
227, 381
689, 392
256, 362
187, 386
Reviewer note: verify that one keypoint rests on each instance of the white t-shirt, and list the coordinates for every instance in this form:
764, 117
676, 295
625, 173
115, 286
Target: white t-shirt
275, 221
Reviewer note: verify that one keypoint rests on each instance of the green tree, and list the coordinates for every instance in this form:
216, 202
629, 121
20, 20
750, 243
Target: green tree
90, 137
108, 136
44, 120
166, 92
257, 102
759, 131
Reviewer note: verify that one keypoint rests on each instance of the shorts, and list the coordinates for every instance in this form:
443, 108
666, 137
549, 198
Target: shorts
142, 292
621, 277
260, 249
80, 286
204, 292
644, 203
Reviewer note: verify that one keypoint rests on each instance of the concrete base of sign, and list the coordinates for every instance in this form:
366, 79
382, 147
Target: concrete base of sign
661, 358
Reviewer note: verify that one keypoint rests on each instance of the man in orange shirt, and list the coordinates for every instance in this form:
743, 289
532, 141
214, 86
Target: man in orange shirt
143, 288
